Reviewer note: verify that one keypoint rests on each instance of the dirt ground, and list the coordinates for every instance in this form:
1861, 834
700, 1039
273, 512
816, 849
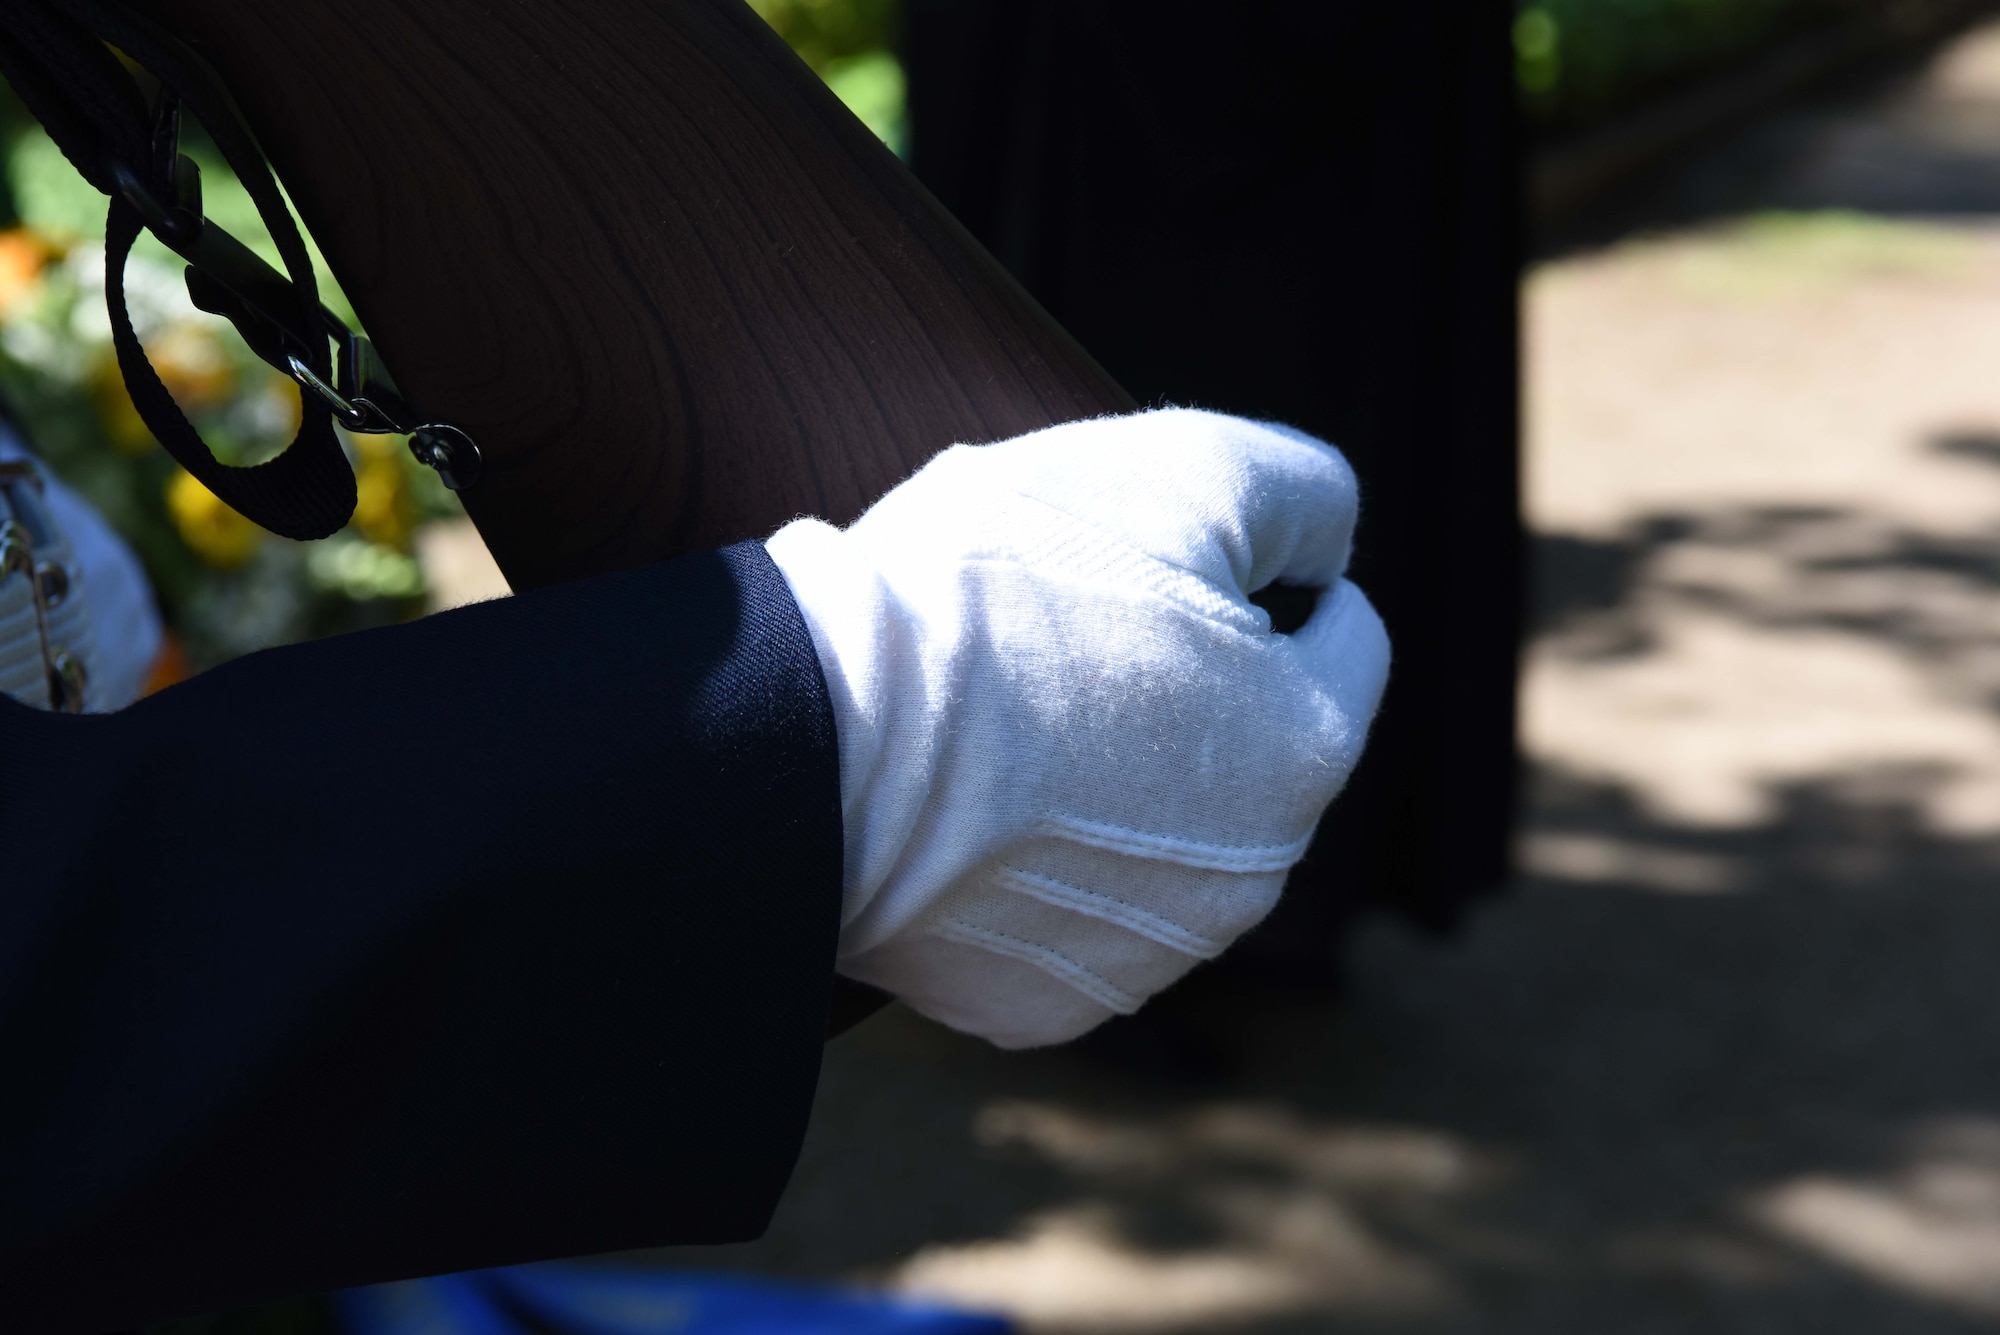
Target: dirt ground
1729, 1057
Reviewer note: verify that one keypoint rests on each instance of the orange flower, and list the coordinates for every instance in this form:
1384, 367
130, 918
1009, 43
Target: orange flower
170, 669
23, 256
192, 364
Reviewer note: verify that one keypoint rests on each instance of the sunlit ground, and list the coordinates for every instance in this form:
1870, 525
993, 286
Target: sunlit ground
1729, 1060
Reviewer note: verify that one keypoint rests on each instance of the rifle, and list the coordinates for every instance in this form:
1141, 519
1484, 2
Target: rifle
675, 292
635, 250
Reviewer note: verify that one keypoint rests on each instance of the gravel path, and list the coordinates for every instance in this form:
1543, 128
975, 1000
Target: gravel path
1730, 1058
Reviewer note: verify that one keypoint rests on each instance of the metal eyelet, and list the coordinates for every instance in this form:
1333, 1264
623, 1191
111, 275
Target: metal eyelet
67, 680
49, 583
54, 583
451, 452
17, 550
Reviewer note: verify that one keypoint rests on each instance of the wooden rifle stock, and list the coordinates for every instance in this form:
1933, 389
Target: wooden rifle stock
674, 289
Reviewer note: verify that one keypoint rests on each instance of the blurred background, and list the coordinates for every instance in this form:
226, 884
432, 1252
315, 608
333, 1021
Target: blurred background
1645, 979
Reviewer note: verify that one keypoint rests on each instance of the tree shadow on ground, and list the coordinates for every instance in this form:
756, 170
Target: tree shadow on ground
1933, 597
1769, 1101
1894, 140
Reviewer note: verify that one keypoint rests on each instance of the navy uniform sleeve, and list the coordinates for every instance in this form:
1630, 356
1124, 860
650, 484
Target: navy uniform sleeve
502, 935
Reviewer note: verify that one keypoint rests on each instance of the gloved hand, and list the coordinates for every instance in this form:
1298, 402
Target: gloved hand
1074, 758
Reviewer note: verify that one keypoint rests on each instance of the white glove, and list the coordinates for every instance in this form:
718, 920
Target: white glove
1074, 758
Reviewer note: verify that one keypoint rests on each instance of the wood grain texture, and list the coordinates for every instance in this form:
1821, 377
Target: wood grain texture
674, 289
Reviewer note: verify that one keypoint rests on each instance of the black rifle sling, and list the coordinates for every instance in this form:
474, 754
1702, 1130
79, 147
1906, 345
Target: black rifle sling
58, 56
305, 492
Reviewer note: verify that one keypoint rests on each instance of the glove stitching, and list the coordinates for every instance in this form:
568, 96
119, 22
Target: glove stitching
1243, 617
1101, 990
1112, 539
1090, 534
1183, 852
1092, 537
1109, 908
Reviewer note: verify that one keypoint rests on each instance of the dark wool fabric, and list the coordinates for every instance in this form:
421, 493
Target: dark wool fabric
503, 935
1325, 235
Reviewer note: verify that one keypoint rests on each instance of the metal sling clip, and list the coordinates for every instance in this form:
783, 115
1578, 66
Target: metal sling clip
227, 278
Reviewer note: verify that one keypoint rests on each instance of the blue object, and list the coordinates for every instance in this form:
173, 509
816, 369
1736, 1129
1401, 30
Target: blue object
607, 1300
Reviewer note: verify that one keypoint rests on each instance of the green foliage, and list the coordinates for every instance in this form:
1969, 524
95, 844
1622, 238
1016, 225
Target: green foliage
873, 87
825, 31
851, 44
1577, 61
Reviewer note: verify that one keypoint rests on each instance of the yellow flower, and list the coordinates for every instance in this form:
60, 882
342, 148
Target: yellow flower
384, 509
284, 392
191, 363
124, 427
213, 531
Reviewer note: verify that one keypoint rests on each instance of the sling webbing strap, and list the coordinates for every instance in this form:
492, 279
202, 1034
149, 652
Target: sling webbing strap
59, 55
306, 492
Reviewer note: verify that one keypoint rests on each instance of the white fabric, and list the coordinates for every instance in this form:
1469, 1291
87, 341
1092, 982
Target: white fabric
125, 635
1074, 759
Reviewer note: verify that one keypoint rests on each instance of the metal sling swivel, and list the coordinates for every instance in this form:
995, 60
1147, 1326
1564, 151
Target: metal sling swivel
109, 87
